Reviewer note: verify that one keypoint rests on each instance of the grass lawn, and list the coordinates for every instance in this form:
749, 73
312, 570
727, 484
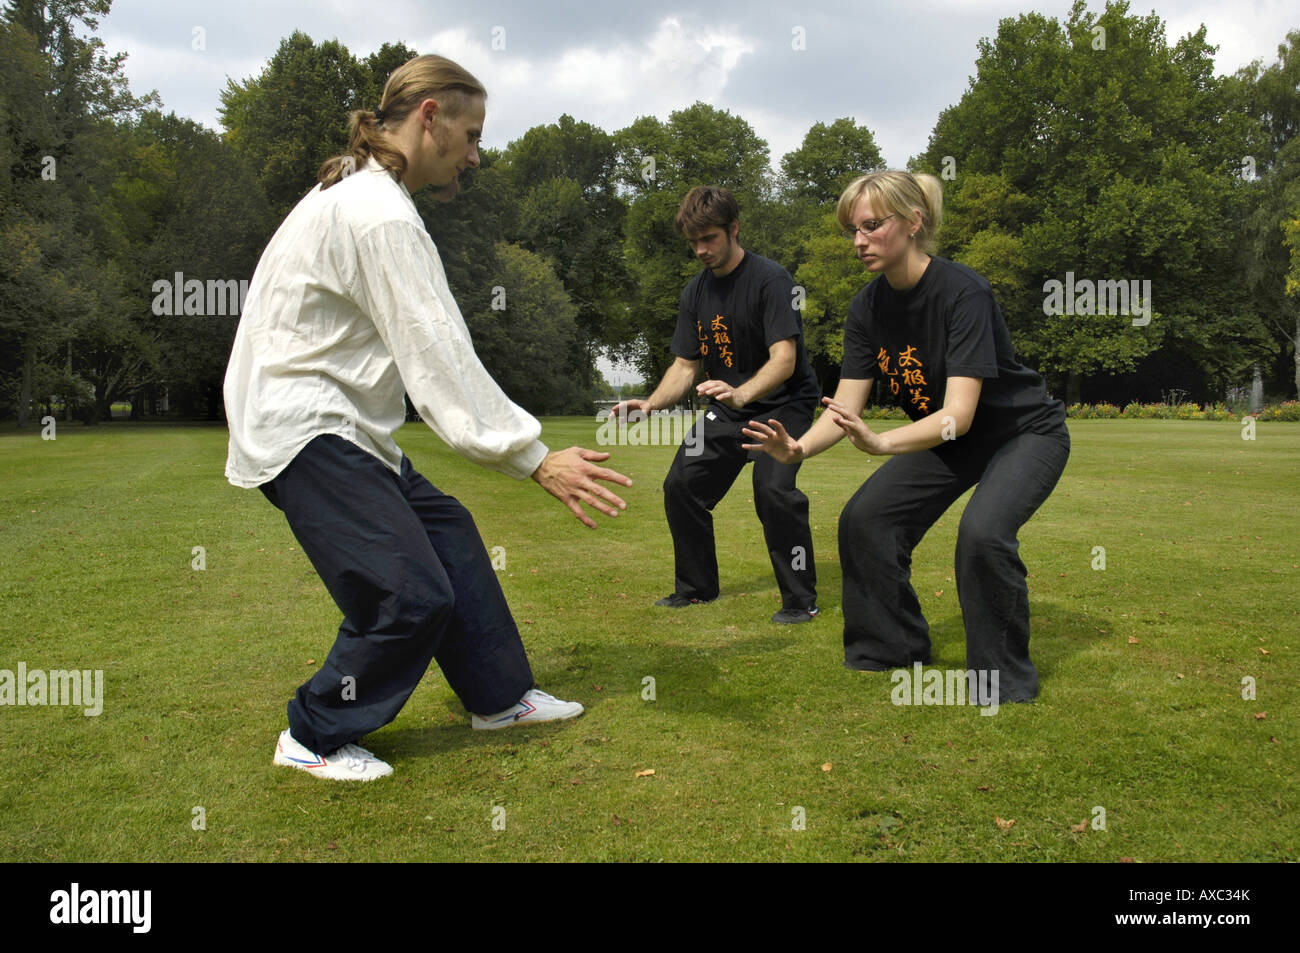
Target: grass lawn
763, 746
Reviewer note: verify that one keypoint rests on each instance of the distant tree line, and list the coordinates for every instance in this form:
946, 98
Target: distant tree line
1084, 152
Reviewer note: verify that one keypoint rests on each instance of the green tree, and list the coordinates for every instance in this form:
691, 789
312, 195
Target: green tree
699, 145
63, 97
293, 116
527, 336
1094, 147
1271, 96
829, 157
563, 179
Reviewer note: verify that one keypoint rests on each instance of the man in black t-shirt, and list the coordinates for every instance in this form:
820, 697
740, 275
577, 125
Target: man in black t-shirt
738, 322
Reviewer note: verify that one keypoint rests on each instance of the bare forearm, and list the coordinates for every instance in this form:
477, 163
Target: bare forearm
922, 434
850, 394
677, 380
767, 379
821, 436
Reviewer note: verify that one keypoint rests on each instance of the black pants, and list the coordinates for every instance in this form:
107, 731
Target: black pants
886, 518
408, 569
697, 483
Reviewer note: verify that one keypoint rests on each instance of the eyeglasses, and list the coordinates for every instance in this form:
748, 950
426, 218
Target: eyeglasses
866, 228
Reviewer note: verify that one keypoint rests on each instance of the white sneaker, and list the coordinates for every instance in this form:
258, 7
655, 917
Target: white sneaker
535, 706
348, 763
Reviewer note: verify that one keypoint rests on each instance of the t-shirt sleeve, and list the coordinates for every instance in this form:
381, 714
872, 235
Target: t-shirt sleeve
686, 340
859, 362
972, 351
780, 319
402, 286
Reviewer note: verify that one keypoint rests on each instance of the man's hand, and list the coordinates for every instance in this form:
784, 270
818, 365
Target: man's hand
859, 434
773, 440
623, 408
722, 392
570, 477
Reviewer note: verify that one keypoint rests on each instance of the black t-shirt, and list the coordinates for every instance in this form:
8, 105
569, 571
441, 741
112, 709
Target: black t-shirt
946, 325
730, 323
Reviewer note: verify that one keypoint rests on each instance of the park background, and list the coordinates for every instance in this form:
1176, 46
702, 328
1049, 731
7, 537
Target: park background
1163, 569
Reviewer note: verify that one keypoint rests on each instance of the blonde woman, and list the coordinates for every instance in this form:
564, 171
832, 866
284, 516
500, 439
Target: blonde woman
932, 332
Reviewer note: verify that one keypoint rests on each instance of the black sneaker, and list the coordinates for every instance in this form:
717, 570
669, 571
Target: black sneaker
795, 616
679, 601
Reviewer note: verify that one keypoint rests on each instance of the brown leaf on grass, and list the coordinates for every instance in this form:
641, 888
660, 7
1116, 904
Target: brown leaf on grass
984, 787
331, 846
1004, 825
826, 766
528, 621
1080, 827
311, 661
1132, 640
1126, 860
645, 772
1261, 715
938, 592
1265, 652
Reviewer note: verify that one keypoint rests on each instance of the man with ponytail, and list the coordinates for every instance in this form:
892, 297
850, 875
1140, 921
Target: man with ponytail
348, 309
932, 332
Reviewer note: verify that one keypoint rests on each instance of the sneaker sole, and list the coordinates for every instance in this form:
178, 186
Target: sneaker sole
482, 725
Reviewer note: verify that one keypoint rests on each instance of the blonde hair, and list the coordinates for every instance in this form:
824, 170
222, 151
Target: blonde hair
895, 192
423, 77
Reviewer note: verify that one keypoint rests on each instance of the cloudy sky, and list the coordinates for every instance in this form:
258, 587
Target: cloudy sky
892, 66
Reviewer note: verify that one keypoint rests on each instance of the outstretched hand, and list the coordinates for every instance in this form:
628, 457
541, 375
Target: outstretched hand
570, 476
628, 409
772, 440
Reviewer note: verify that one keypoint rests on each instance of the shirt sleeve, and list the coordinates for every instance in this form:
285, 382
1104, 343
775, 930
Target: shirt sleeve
402, 286
686, 340
971, 350
860, 360
780, 319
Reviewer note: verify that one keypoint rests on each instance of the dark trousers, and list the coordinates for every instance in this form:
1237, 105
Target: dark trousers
697, 483
886, 518
406, 566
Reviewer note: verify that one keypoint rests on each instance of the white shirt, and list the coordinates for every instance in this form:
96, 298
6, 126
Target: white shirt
348, 307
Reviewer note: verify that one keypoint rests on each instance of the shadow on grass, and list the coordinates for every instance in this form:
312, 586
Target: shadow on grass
1055, 633
688, 680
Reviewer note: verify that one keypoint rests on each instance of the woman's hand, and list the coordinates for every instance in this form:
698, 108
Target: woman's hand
773, 440
856, 429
